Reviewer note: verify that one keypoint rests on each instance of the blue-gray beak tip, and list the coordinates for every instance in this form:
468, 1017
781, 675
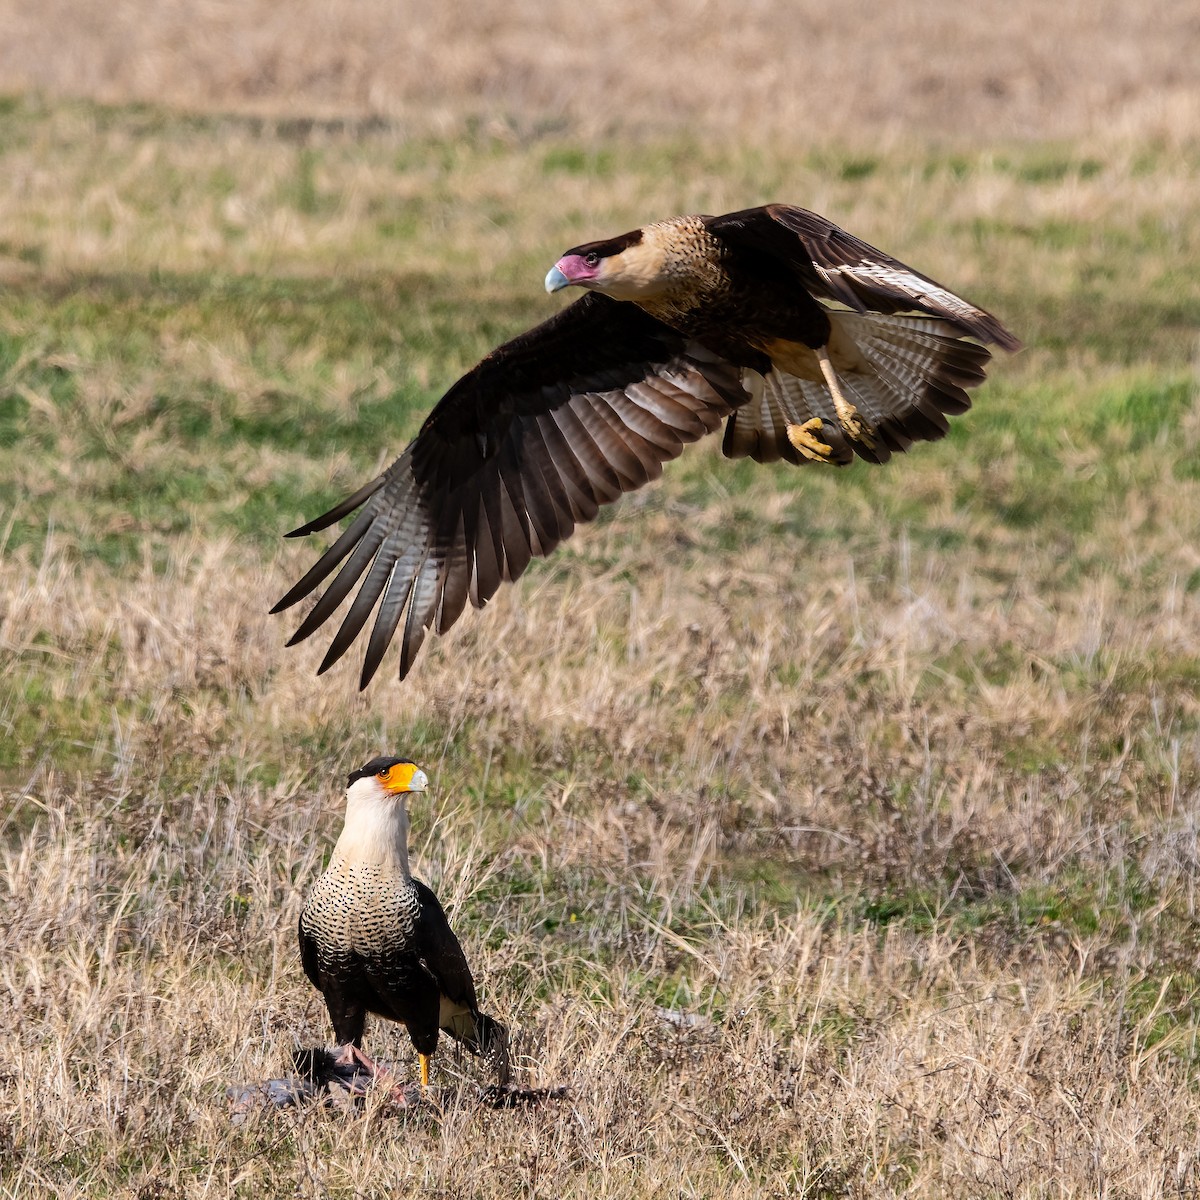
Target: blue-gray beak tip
556, 280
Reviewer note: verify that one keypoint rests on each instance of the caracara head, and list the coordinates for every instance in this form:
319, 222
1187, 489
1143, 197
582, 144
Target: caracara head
629, 267
386, 778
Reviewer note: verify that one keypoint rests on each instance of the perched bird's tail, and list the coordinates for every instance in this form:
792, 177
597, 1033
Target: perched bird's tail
485, 1036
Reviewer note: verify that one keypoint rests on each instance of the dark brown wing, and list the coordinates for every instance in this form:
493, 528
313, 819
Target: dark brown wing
341, 989
529, 443
443, 957
838, 266
441, 951
906, 373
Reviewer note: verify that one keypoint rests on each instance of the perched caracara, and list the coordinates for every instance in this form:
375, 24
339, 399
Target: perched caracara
810, 345
374, 939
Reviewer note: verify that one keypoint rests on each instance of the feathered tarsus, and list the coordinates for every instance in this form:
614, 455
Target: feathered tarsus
809, 344
375, 940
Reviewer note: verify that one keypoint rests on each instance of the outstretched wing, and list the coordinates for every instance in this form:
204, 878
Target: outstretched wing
532, 441
837, 266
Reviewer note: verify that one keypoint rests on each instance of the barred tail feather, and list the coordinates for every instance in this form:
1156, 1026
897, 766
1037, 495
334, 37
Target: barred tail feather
483, 1036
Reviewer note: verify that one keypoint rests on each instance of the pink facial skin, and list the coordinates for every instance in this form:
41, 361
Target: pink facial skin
571, 268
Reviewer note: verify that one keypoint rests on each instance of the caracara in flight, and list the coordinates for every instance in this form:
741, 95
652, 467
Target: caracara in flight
807, 343
375, 940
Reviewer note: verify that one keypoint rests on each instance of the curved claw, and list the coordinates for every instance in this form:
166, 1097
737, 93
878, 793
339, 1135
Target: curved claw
804, 438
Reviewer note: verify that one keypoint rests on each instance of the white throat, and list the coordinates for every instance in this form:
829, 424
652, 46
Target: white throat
376, 828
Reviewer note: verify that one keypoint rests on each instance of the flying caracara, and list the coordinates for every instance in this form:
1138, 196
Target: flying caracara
375, 940
810, 345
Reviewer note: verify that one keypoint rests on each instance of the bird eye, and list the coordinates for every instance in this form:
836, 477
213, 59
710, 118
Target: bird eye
385, 773
591, 259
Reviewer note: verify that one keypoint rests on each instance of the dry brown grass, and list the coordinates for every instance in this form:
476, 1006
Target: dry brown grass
846, 1063
650, 745
791, 73
888, 781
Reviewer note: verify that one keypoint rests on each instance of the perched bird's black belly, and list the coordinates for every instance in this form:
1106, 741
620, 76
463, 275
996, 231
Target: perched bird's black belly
402, 988
399, 988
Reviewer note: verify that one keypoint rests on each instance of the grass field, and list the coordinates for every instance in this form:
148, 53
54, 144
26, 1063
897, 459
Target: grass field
886, 779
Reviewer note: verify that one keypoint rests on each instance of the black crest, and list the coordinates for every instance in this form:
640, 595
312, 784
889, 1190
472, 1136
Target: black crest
609, 246
375, 766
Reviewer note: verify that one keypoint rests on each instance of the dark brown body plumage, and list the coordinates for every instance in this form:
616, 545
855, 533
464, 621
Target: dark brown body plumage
808, 344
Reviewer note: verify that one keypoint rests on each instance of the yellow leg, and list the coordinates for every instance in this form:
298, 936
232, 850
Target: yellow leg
424, 1070
851, 422
804, 438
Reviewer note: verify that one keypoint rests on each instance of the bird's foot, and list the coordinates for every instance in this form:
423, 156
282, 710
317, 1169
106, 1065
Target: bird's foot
804, 438
855, 427
356, 1071
351, 1056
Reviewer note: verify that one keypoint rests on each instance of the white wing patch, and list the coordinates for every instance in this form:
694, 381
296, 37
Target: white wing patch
923, 291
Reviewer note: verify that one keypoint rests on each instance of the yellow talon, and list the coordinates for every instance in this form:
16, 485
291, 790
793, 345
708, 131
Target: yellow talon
857, 428
424, 1059
803, 437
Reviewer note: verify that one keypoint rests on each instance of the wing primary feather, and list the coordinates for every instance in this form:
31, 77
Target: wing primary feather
420, 614
514, 524
540, 481
327, 562
455, 575
489, 545
373, 586
342, 584
386, 619
485, 566
341, 509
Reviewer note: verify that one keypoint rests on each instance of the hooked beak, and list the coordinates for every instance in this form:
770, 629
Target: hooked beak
419, 781
556, 280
